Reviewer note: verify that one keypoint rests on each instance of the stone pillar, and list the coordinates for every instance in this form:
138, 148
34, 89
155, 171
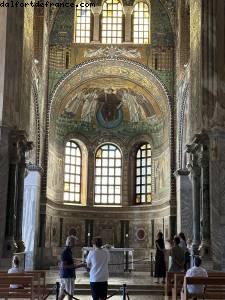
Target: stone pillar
13, 230
184, 202
96, 30
195, 172
124, 180
31, 208
217, 197
128, 14
205, 203
90, 187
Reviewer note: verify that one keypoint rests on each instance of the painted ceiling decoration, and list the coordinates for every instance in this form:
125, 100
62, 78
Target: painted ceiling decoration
108, 106
128, 72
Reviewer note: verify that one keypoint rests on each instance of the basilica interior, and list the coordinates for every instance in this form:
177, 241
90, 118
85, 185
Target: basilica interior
112, 123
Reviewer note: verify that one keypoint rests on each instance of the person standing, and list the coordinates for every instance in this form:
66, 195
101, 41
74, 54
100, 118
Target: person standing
177, 257
67, 269
160, 264
97, 261
183, 245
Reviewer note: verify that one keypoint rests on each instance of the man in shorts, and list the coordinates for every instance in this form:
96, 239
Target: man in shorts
67, 269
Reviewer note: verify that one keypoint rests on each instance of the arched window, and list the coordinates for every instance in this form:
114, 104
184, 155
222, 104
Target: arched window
112, 19
144, 174
141, 23
108, 168
72, 174
82, 23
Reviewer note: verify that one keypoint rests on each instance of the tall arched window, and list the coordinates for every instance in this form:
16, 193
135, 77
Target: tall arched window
82, 23
141, 23
108, 168
72, 174
144, 174
112, 19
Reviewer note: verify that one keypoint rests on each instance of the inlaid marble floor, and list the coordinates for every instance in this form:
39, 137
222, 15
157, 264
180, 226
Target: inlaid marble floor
137, 278
134, 278
118, 298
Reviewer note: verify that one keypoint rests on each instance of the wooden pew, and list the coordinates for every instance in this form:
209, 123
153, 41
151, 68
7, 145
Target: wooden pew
214, 287
16, 293
170, 283
39, 280
178, 284
179, 280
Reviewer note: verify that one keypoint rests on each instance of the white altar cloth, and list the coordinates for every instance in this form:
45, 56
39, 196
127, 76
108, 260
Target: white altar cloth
121, 259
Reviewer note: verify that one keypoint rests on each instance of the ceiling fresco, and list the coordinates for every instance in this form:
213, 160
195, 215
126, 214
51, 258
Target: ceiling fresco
115, 74
108, 105
110, 97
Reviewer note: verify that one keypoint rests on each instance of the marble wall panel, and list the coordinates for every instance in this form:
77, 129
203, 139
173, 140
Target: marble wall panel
30, 224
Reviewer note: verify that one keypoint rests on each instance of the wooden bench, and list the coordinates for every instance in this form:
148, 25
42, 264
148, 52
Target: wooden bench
179, 280
214, 287
170, 283
26, 292
39, 280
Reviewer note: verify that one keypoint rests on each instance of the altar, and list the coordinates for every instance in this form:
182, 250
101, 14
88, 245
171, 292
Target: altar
121, 259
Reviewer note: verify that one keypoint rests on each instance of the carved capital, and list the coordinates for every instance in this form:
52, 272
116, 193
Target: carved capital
18, 147
181, 172
96, 10
128, 10
32, 167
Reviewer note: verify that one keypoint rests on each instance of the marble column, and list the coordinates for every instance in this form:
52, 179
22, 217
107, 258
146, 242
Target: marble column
128, 30
90, 186
31, 207
13, 230
205, 203
184, 202
96, 28
195, 173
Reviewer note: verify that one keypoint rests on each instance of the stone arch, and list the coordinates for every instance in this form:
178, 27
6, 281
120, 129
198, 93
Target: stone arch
124, 69
114, 67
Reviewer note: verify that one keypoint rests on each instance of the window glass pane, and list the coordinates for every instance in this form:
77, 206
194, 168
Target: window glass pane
72, 175
117, 180
111, 171
141, 23
112, 14
143, 174
108, 182
117, 199
82, 24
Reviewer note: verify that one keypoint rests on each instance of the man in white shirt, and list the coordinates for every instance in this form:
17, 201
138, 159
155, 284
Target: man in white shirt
97, 261
196, 271
15, 269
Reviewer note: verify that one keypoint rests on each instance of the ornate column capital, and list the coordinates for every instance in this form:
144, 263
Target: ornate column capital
128, 10
19, 145
181, 172
32, 167
96, 10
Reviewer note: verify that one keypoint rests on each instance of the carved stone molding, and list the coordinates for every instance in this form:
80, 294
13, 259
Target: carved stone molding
33, 167
112, 52
181, 172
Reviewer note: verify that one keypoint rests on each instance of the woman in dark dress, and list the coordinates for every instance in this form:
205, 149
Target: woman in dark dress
160, 265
